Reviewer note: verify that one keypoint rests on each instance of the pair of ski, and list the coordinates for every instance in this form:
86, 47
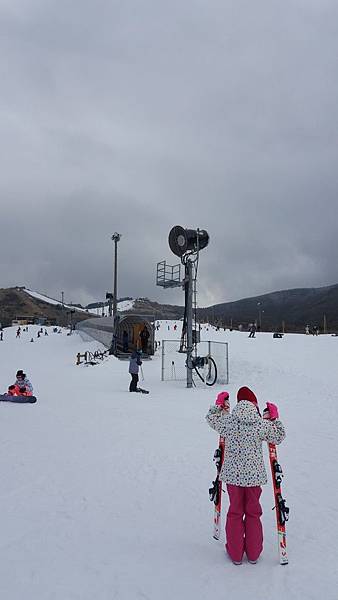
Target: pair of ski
215, 492
282, 511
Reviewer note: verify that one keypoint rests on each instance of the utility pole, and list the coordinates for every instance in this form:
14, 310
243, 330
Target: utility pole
70, 313
62, 299
325, 325
116, 238
188, 277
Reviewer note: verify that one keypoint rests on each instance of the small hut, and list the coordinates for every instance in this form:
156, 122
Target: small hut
134, 331
129, 331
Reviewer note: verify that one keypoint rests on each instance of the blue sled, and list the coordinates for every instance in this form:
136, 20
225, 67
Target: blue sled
19, 399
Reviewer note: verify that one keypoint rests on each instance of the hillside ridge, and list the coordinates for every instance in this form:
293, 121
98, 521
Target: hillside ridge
290, 309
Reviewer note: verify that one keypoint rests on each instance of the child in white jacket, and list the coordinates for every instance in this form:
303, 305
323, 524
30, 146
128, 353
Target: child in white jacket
243, 468
23, 384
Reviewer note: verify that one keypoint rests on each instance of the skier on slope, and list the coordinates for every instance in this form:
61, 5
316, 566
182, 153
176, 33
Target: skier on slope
252, 330
243, 469
134, 365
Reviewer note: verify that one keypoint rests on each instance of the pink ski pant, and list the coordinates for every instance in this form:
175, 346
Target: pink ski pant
243, 529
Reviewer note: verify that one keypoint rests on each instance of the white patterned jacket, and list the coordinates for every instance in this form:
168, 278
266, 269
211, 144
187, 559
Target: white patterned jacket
24, 383
244, 431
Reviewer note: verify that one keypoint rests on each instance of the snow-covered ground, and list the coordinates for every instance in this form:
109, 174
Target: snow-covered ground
122, 306
104, 494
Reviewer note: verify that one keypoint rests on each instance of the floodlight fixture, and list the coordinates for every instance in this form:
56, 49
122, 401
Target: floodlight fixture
116, 237
183, 240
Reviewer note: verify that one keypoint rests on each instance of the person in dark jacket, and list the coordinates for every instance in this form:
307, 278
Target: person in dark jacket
252, 330
134, 365
125, 340
144, 335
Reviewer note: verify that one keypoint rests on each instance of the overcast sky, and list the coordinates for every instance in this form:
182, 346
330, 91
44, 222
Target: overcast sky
138, 115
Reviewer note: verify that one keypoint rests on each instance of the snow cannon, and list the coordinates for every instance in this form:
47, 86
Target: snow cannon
183, 240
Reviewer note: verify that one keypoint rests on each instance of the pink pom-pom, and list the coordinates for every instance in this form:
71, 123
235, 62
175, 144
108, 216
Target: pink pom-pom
273, 411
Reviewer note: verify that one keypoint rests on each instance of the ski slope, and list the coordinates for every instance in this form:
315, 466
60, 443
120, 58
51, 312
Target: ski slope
104, 494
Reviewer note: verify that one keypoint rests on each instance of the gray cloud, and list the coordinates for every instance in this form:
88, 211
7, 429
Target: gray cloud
137, 116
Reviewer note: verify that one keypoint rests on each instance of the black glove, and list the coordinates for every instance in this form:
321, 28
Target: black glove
22, 390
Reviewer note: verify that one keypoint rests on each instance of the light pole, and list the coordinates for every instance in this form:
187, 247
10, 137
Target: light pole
259, 315
70, 313
116, 238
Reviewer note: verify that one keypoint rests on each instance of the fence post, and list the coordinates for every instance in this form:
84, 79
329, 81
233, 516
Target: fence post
162, 370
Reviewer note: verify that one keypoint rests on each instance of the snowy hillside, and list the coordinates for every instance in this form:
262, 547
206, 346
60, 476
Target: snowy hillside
122, 306
104, 494
43, 297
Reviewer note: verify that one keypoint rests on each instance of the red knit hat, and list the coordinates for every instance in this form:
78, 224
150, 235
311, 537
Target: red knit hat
244, 393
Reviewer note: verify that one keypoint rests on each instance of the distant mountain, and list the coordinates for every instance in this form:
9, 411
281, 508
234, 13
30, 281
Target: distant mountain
144, 306
296, 307
94, 305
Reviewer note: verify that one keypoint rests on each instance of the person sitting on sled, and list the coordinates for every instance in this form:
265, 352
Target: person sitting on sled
23, 385
13, 390
243, 468
13, 394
